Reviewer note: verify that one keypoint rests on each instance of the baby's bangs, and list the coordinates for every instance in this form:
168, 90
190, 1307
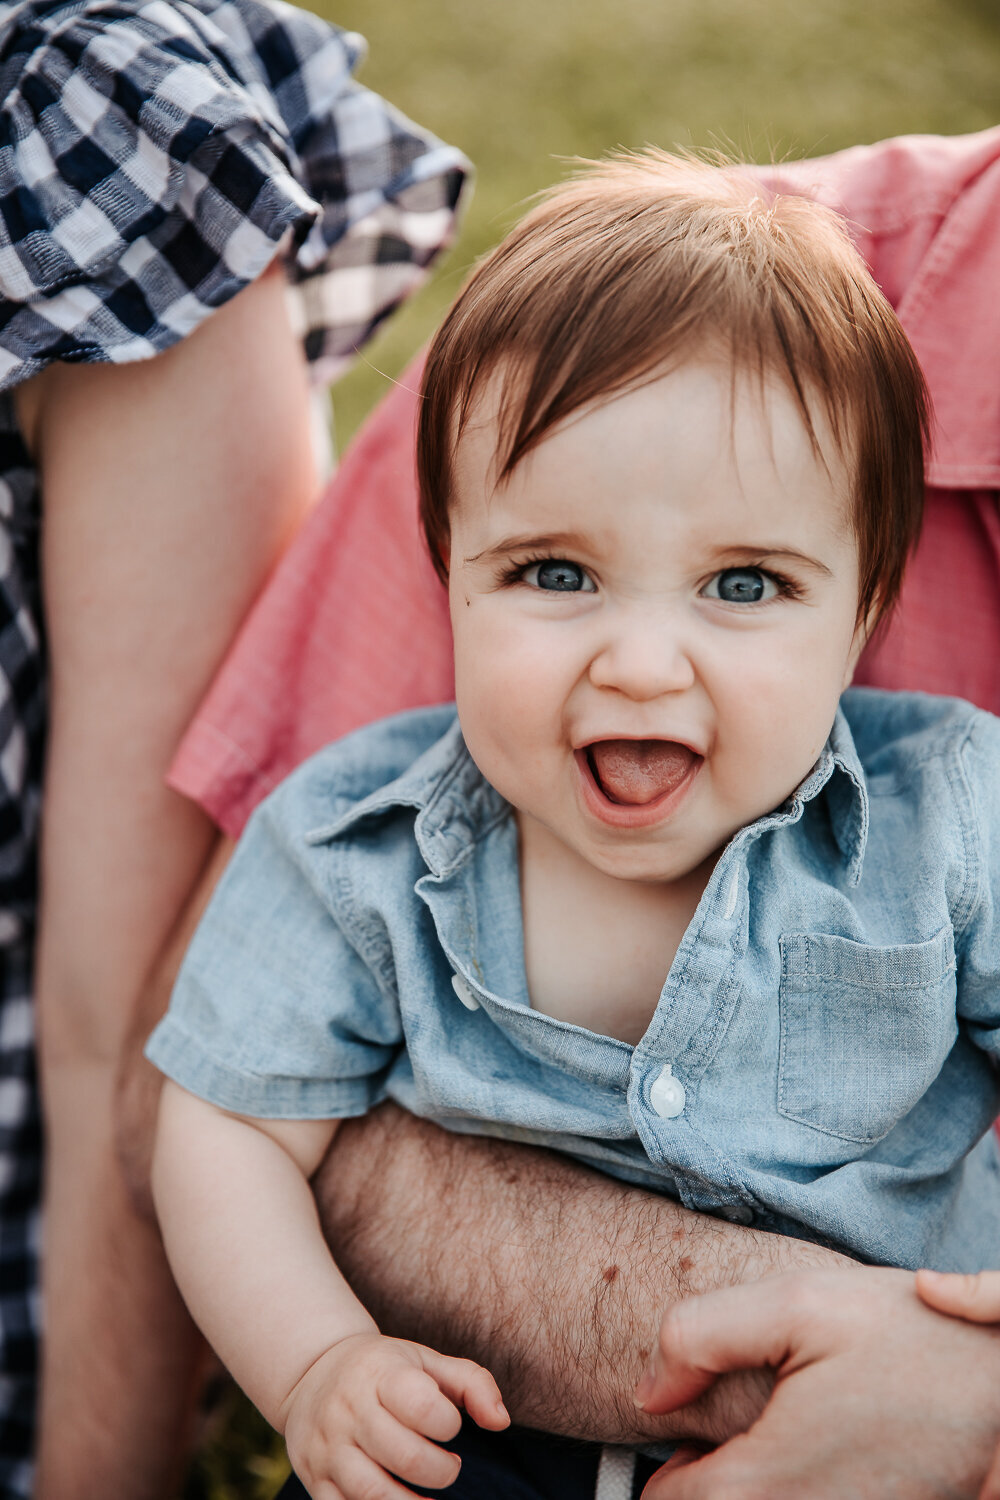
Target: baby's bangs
639, 263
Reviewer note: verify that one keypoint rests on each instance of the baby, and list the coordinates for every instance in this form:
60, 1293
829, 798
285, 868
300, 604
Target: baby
656, 897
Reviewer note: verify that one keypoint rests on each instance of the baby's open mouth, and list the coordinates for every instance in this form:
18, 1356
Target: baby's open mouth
635, 772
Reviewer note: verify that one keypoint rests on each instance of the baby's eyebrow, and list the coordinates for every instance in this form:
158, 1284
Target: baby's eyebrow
558, 543
770, 553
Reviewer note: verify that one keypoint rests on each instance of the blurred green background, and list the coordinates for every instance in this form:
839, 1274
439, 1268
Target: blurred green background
519, 84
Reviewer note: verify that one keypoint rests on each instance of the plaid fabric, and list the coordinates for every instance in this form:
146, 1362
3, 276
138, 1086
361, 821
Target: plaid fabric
22, 724
154, 158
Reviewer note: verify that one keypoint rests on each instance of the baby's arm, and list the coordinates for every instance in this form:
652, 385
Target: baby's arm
244, 1243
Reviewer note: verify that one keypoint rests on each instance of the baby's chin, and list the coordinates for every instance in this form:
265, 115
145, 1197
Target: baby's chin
650, 867
619, 857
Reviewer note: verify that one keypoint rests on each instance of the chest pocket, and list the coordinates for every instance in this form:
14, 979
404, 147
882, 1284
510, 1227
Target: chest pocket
864, 1031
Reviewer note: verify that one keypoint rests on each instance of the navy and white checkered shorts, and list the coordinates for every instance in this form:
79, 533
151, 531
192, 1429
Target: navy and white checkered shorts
155, 157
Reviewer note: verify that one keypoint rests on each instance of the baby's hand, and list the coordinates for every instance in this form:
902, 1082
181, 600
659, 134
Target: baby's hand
365, 1410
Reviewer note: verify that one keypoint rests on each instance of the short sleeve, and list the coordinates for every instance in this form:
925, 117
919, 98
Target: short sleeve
978, 936
155, 158
275, 1014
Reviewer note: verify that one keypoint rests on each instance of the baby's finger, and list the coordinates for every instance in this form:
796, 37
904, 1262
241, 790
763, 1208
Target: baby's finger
414, 1398
974, 1298
353, 1474
470, 1387
324, 1489
405, 1453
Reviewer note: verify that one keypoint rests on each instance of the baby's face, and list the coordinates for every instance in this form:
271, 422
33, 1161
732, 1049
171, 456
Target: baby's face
654, 616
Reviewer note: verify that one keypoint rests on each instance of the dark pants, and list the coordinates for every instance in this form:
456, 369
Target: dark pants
518, 1465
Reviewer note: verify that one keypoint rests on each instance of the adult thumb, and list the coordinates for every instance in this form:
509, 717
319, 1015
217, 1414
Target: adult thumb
737, 1328
976, 1298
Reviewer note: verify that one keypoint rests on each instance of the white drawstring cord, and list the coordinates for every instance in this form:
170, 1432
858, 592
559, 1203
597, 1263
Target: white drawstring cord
615, 1474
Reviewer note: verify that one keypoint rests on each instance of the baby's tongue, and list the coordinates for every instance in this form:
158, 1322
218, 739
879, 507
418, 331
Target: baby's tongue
638, 771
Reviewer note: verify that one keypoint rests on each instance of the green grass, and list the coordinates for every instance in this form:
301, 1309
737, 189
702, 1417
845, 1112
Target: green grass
519, 84
240, 1457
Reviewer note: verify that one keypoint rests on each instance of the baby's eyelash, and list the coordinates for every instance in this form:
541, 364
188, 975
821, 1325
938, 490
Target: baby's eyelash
787, 587
513, 572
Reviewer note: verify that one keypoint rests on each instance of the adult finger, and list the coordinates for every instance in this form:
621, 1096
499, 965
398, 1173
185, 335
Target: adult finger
470, 1387
737, 1328
712, 1476
975, 1298
680, 1458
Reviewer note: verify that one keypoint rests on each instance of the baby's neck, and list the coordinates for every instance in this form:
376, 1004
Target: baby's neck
597, 949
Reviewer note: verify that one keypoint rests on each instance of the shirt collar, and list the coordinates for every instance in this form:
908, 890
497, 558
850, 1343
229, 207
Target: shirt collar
456, 806
846, 795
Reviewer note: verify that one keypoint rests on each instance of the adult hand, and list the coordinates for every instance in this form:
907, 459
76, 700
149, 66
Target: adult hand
977, 1299
876, 1397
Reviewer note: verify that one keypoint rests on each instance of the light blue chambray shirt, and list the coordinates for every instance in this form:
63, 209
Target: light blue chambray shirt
821, 1061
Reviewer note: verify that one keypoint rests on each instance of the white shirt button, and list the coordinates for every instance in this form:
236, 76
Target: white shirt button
666, 1094
464, 992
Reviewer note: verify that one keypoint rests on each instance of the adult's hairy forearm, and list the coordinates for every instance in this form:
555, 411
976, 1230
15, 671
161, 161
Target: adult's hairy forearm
549, 1274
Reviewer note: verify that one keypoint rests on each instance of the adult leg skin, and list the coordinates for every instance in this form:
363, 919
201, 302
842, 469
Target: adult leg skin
161, 521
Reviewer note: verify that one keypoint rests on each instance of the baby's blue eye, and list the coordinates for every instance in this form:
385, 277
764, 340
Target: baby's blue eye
556, 575
741, 586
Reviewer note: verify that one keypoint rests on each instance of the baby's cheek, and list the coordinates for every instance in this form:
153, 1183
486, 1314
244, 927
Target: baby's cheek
790, 725
776, 723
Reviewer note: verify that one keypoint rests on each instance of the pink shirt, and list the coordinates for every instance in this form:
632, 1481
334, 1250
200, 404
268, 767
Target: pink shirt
354, 624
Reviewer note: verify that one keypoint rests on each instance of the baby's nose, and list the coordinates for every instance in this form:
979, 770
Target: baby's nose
643, 661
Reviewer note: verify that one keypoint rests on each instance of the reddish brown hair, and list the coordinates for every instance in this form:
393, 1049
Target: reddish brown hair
640, 261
